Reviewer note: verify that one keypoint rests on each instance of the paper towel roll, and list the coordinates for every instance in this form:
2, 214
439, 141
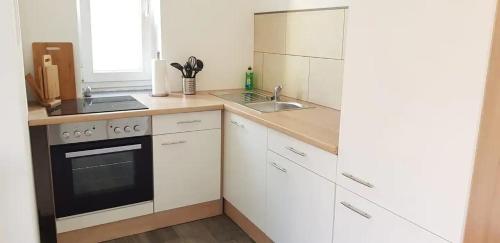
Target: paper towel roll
160, 87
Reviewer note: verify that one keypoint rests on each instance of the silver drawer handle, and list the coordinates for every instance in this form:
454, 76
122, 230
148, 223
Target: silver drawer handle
278, 167
362, 182
237, 124
293, 150
356, 210
188, 122
174, 143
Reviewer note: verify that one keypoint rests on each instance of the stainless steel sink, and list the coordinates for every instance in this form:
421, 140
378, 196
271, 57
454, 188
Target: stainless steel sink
274, 106
261, 102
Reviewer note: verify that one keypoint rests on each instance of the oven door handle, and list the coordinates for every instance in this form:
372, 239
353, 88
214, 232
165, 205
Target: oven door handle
103, 151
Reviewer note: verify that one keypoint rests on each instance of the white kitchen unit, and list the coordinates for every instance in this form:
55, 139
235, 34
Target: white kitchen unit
245, 146
358, 220
299, 203
319, 161
411, 108
187, 164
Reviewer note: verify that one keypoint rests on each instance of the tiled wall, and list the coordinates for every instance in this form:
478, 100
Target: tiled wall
303, 51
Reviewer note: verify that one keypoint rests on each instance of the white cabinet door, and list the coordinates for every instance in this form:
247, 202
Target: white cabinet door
187, 168
245, 145
300, 204
410, 117
359, 221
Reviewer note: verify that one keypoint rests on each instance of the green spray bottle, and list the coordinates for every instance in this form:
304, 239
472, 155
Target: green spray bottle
249, 80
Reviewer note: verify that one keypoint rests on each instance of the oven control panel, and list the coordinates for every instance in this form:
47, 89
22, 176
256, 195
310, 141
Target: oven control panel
99, 130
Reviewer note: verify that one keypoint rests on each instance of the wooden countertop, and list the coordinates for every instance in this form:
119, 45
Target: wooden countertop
318, 126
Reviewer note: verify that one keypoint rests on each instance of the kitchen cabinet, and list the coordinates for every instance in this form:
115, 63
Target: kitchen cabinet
319, 161
410, 116
187, 168
245, 146
359, 221
299, 203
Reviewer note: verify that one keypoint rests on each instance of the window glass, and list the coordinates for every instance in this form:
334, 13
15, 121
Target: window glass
116, 36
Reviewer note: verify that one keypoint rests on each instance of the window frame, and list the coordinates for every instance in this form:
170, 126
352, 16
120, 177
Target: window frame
89, 76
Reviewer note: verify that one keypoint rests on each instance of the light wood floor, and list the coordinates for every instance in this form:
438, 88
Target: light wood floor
211, 230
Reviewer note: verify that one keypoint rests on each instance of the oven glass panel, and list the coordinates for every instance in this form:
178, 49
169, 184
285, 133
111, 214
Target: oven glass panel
104, 173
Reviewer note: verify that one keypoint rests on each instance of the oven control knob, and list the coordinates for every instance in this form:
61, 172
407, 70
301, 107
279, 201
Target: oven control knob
65, 134
77, 134
137, 128
87, 133
118, 130
127, 129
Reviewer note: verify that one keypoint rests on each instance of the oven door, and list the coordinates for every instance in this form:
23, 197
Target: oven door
100, 175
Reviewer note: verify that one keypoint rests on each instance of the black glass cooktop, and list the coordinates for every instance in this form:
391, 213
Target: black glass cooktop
96, 105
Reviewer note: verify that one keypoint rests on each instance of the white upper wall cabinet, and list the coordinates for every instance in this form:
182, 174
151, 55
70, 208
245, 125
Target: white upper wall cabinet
270, 33
413, 90
315, 33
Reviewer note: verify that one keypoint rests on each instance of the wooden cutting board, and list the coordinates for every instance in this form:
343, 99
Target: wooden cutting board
62, 56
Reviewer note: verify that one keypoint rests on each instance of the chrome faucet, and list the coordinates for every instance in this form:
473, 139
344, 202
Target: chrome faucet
277, 93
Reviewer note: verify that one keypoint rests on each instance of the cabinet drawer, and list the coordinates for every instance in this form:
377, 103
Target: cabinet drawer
315, 159
186, 122
359, 220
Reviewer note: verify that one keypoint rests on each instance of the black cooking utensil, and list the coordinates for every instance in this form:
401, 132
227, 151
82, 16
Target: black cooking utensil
179, 67
189, 70
192, 61
198, 67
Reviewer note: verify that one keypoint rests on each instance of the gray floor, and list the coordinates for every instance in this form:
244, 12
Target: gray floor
216, 229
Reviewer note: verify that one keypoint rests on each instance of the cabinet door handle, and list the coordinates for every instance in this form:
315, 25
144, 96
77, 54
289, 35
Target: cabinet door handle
237, 124
356, 210
188, 122
278, 167
362, 182
174, 143
295, 151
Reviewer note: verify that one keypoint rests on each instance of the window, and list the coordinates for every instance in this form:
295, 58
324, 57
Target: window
115, 40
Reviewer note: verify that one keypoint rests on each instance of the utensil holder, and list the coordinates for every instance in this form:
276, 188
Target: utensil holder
189, 86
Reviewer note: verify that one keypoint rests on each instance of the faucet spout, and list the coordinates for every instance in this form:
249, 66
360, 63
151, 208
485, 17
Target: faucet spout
277, 93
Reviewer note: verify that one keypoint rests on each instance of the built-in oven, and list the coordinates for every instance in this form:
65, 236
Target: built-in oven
101, 165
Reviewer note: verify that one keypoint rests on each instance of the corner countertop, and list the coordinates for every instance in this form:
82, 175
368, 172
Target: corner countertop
318, 126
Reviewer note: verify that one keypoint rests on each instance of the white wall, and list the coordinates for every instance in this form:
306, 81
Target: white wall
18, 222
49, 21
281, 5
218, 32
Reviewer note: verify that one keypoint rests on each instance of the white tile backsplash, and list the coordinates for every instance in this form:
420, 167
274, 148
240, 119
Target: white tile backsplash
303, 51
325, 82
258, 62
315, 33
270, 33
290, 71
